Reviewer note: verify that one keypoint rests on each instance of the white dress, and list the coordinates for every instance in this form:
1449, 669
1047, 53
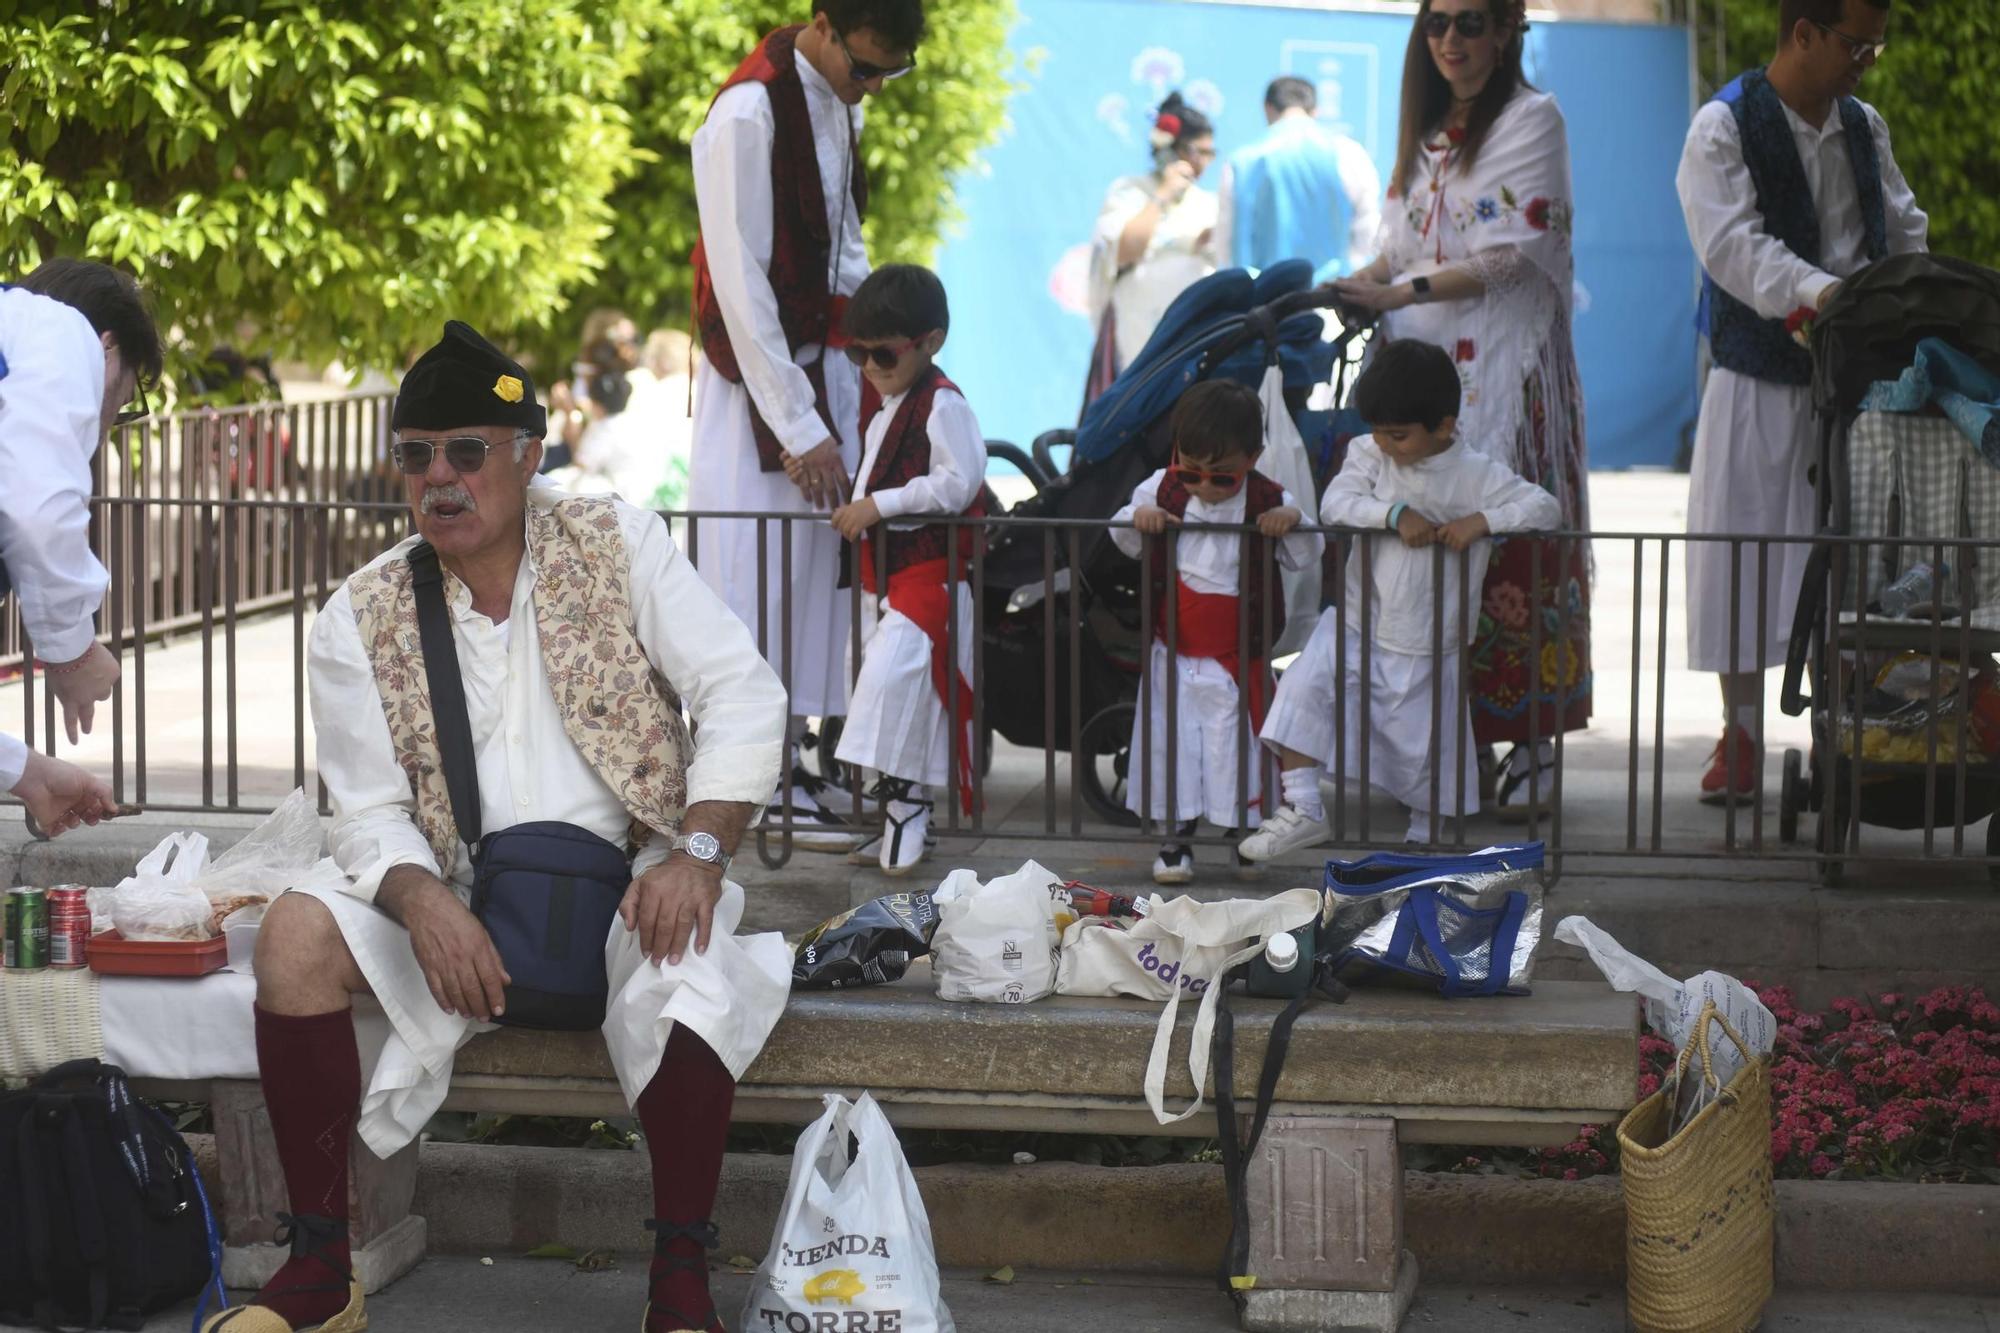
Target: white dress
1201, 750
896, 724
732, 174
530, 770
1407, 664
1754, 440
1180, 254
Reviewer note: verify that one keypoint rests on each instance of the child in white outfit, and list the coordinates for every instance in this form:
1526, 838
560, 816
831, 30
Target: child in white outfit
1218, 432
1415, 486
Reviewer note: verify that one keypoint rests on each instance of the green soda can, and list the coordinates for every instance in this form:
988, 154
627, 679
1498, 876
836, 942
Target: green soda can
27, 924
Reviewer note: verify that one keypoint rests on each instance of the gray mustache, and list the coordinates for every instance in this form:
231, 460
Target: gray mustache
448, 495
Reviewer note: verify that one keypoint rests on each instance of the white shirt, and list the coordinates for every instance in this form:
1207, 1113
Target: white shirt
732, 188
1442, 488
51, 398
1180, 254
958, 459
528, 767
1207, 561
1749, 263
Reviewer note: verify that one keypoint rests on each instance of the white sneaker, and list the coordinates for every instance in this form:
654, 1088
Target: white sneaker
1287, 830
905, 836
1174, 864
814, 827
1420, 828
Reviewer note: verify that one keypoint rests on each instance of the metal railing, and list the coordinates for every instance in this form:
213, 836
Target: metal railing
1060, 671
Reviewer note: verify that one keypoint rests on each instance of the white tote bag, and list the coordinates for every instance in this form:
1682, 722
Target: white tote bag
853, 1242
1285, 462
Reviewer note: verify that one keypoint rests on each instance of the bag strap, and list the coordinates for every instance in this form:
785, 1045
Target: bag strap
36, 1222
454, 725
87, 1217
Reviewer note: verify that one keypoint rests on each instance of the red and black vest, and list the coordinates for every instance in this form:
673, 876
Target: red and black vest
906, 455
1261, 495
801, 241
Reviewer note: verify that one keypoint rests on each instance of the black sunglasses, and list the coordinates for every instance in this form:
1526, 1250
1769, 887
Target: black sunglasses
863, 72
1858, 48
465, 453
885, 358
132, 414
1470, 23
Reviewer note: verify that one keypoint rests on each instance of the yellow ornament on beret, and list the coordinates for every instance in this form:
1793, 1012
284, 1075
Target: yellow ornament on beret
508, 388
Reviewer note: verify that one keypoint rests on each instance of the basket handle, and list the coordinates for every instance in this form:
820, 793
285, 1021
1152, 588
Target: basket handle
1710, 1014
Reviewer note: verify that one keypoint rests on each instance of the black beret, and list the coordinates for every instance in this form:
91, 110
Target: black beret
466, 381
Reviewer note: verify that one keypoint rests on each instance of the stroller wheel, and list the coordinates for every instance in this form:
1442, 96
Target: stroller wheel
1103, 762
1791, 796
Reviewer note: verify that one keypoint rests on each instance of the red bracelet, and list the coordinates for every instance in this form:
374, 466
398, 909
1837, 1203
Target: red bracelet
50, 669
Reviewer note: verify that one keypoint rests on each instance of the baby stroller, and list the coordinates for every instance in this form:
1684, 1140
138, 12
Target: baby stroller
1891, 647
1037, 584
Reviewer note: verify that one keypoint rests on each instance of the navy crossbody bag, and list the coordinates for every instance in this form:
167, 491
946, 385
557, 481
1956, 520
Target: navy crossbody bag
547, 892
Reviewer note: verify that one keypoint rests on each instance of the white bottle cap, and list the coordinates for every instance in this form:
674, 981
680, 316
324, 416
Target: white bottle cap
1281, 952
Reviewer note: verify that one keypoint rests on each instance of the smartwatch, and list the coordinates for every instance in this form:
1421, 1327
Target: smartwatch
1422, 288
703, 847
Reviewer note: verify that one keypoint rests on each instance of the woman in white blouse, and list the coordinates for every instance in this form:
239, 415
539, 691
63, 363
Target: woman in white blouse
1155, 237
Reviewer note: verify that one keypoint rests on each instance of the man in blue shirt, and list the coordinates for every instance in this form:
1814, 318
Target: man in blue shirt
1303, 191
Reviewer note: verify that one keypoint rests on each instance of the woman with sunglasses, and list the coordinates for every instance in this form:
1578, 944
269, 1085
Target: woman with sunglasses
1154, 238
1475, 257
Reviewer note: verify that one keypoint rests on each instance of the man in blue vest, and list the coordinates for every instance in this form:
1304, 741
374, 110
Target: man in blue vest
1303, 191
1788, 186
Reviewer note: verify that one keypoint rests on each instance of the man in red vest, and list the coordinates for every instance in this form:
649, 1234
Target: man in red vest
781, 189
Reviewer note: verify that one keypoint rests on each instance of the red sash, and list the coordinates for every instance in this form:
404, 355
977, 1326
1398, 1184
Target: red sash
922, 593
1207, 627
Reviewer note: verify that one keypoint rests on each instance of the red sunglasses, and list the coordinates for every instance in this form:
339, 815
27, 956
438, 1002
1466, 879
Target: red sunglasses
1189, 475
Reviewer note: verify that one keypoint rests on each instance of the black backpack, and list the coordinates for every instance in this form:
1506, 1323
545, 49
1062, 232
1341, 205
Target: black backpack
102, 1217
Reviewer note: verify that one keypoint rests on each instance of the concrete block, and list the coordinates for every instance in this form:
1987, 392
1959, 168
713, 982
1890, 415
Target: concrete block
1333, 1311
376, 1264
253, 1182
1326, 1204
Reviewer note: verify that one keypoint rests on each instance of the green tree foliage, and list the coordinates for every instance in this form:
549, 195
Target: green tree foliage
344, 176
925, 129
1941, 64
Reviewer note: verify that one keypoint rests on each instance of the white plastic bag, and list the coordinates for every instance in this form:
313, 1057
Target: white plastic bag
158, 900
1284, 461
267, 860
996, 941
852, 1249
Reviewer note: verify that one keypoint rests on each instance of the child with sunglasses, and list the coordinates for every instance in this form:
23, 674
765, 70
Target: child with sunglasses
923, 458
1209, 493
1414, 485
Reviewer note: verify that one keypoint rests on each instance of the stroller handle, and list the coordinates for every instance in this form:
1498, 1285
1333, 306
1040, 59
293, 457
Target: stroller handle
1261, 322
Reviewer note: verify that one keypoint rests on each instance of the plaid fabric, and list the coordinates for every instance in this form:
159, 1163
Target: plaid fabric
1947, 490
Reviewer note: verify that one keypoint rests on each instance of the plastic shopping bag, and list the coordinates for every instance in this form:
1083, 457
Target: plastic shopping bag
852, 1251
996, 941
1284, 461
158, 900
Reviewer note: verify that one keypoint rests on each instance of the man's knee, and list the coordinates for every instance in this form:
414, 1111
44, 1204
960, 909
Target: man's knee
300, 947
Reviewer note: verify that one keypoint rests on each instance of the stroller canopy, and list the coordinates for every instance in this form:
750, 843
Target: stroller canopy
1203, 318
1870, 329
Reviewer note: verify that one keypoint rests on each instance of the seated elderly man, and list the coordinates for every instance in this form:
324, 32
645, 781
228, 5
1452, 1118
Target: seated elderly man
579, 630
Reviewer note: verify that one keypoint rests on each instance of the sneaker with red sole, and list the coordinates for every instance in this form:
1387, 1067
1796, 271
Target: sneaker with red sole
1715, 783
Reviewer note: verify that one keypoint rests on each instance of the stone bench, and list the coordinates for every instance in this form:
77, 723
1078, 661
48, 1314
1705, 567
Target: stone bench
1387, 1067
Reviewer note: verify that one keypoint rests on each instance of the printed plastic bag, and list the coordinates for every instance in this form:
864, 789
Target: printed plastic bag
866, 945
1673, 1009
852, 1249
1467, 923
997, 941
1284, 461
158, 901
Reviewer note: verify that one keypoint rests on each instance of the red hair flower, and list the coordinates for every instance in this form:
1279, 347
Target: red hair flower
1799, 324
1538, 214
1169, 122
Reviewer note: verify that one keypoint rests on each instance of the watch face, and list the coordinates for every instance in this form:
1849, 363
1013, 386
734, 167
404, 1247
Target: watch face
704, 847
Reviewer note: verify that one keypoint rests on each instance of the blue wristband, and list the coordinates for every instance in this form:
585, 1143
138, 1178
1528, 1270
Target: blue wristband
1395, 514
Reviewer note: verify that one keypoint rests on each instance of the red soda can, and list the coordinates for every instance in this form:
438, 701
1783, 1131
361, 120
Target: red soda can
69, 925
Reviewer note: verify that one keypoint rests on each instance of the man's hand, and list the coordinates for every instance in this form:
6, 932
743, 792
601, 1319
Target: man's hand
459, 961
60, 795
1415, 530
1277, 522
671, 902
82, 685
851, 520
1153, 519
818, 474
1463, 532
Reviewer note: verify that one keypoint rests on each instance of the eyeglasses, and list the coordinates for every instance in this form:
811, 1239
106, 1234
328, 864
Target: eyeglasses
465, 453
885, 358
1471, 23
864, 72
132, 414
1859, 49
1189, 475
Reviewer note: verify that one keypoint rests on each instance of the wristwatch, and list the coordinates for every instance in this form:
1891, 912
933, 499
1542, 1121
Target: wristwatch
1421, 287
703, 847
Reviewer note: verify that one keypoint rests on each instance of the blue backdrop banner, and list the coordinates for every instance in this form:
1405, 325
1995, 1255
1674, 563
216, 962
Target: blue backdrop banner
1015, 268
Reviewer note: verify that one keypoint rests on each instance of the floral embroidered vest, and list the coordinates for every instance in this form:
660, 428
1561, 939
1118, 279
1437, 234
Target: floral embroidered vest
1739, 338
621, 714
1260, 496
801, 242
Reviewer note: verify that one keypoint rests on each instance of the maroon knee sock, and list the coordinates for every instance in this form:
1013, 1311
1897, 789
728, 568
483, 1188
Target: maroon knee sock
684, 1112
311, 1070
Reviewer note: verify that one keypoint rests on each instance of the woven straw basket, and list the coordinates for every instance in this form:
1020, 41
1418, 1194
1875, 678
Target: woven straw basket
1699, 1211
